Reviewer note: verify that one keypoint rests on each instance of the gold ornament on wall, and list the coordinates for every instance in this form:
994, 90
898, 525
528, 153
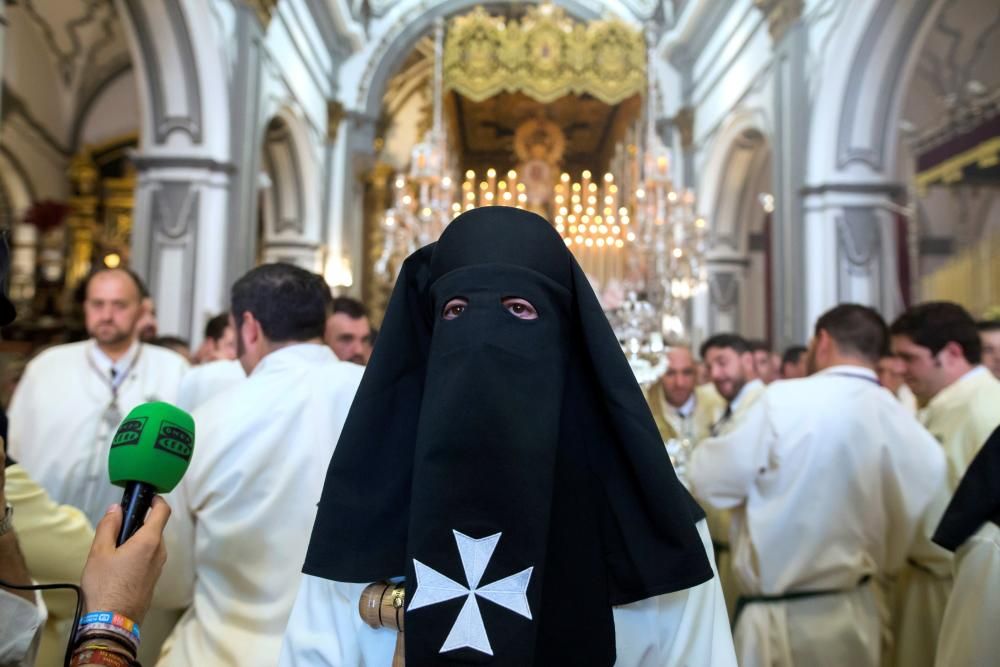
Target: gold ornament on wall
546, 55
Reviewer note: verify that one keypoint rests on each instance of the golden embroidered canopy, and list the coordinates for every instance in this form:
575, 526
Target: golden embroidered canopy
546, 55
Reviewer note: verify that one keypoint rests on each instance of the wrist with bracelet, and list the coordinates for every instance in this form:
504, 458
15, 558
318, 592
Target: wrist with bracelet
106, 639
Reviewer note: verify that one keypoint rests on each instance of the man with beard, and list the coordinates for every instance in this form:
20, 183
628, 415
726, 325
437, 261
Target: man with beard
682, 410
242, 511
72, 397
348, 331
731, 366
832, 477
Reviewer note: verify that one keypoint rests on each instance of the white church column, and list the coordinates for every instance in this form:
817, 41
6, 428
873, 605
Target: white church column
852, 250
791, 137
180, 241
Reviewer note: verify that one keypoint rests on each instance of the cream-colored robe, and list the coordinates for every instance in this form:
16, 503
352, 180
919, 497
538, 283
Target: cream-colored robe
970, 631
833, 477
58, 430
720, 521
961, 416
696, 425
243, 513
688, 628
55, 540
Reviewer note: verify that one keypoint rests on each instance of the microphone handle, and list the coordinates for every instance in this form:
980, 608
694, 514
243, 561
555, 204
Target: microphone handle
136, 501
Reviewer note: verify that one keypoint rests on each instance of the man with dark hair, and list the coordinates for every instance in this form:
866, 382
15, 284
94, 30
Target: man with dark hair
766, 363
892, 374
72, 397
793, 363
348, 331
263, 449
940, 346
220, 340
217, 369
731, 368
828, 479
989, 335
730, 363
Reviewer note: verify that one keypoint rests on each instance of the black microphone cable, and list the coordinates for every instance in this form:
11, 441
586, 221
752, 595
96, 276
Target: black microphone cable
76, 617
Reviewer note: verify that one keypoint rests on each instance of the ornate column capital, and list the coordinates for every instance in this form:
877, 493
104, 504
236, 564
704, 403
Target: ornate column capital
780, 15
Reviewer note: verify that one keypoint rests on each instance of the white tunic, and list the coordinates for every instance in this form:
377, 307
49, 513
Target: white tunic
244, 511
62, 418
969, 633
834, 476
207, 380
684, 629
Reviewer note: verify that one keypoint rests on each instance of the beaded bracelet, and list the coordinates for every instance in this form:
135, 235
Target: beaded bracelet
111, 618
99, 656
116, 641
105, 630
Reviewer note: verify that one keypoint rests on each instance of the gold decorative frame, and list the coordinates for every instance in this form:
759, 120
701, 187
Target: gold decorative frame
546, 55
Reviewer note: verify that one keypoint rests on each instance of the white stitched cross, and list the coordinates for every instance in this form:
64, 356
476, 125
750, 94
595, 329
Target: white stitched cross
509, 592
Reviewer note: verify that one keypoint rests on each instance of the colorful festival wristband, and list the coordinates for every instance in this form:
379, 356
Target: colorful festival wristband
111, 618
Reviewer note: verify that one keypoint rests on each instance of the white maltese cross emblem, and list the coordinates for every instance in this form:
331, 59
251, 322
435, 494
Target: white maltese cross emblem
509, 592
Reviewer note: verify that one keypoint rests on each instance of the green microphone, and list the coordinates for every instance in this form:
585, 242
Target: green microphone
149, 454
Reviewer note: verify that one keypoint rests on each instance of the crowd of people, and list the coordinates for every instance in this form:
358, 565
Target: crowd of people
498, 461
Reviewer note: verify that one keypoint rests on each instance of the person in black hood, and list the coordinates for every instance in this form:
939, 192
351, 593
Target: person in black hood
499, 458
970, 527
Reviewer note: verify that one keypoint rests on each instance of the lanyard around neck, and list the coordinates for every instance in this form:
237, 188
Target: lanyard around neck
114, 383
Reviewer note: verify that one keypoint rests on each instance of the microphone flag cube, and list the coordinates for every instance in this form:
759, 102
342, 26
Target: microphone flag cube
153, 444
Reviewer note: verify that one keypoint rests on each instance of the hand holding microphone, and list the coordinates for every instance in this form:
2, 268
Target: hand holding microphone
150, 453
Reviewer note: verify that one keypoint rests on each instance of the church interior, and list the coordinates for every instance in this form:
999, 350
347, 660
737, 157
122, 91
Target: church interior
814, 153
788, 212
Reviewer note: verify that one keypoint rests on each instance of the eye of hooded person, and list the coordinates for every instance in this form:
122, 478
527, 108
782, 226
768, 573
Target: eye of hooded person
519, 308
454, 308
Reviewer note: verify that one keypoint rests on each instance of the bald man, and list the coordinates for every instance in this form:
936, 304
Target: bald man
683, 410
72, 397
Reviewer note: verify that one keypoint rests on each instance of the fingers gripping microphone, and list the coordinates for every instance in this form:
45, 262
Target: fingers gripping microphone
149, 454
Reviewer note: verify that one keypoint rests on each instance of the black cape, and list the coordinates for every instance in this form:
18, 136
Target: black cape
976, 500
487, 425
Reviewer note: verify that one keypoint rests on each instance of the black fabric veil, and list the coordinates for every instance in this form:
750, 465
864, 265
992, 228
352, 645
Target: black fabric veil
516, 456
976, 500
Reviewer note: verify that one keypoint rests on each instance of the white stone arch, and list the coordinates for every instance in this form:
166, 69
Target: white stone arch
181, 242
852, 191
290, 197
738, 167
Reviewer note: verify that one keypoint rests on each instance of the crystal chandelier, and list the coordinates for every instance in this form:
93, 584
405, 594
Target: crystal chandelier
667, 261
422, 200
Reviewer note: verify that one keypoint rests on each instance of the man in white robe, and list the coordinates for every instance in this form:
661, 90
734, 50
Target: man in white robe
72, 397
207, 380
732, 368
833, 477
243, 511
941, 348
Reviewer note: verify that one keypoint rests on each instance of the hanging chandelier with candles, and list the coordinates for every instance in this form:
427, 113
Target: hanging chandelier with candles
631, 226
